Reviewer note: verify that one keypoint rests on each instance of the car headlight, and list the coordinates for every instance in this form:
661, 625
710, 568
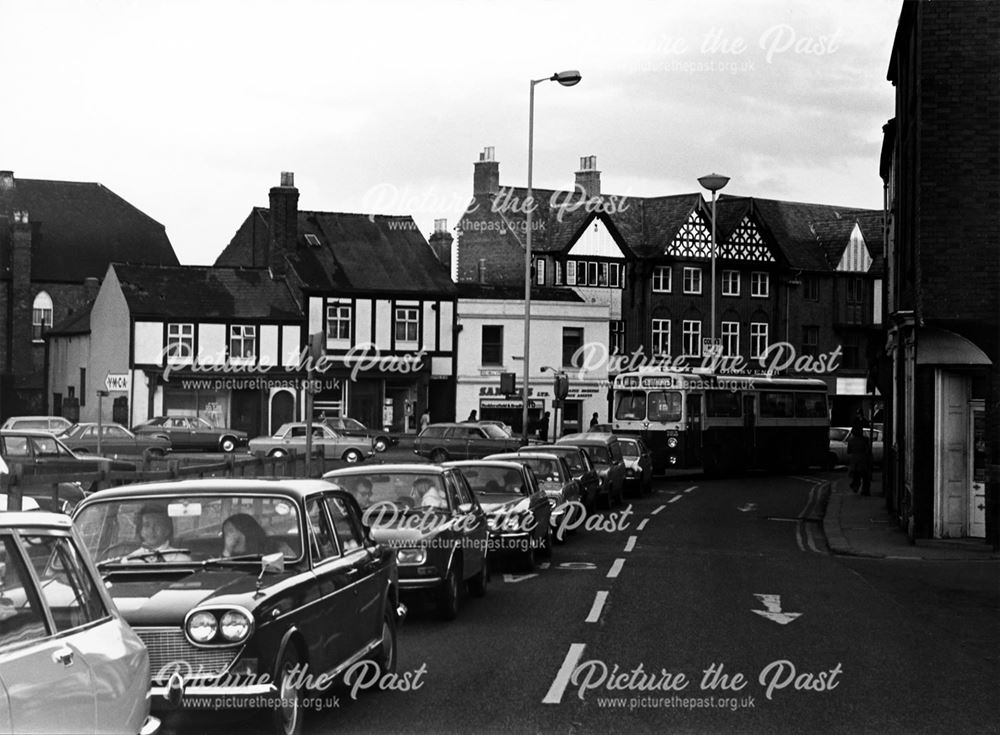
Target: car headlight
202, 627
411, 556
235, 626
672, 442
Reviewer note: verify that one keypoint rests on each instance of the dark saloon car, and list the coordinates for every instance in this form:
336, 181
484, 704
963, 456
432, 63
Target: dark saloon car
444, 442
606, 454
429, 515
555, 480
115, 439
352, 427
193, 434
638, 464
580, 466
235, 585
518, 510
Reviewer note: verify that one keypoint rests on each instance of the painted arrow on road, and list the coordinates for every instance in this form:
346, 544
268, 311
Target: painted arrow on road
773, 612
747, 507
517, 577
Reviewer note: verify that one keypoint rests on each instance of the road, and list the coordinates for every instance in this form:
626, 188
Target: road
707, 607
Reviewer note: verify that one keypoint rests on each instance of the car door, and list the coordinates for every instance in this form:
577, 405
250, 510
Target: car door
474, 528
479, 444
118, 441
203, 435
179, 432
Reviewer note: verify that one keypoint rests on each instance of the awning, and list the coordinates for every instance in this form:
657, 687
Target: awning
936, 346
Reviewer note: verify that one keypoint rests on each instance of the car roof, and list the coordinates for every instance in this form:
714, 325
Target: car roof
377, 469
534, 449
217, 485
593, 437
540, 455
481, 462
27, 432
34, 519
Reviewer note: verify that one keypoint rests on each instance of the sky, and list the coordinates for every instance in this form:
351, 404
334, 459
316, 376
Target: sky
191, 110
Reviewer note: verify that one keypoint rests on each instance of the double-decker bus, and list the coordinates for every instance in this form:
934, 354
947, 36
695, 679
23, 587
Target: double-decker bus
724, 423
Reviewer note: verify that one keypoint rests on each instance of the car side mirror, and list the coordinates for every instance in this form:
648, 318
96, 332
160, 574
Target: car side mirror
465, 508
269, 563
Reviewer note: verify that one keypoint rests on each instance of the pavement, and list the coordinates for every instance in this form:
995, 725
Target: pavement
859, 525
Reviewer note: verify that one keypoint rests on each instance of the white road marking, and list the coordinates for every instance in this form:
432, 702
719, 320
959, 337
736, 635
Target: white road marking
577, 565
616, 568
773, 611
630, 544
690, 488
595, 610
747, 507
513, 578
658, 510
675, 498
642, 523
558, 687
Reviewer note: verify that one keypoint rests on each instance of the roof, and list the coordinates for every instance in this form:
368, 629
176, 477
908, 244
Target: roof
79, 228
214, 486
74, 324
475, 290
208, 292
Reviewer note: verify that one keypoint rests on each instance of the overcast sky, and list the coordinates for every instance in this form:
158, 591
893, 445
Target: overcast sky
190, 110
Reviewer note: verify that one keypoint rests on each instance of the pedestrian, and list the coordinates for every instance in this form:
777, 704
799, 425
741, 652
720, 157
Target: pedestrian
594, 420
859, 459
425, 419
472, 416
543, 427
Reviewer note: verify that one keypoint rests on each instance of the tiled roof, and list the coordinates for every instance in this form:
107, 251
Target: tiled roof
78, 323
209, 292
474, 290
79, 228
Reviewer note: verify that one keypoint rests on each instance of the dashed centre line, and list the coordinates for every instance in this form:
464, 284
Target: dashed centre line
642, 523
675, 498
558, 686
630, 544
616, 568
690, 488
658, 510
595, 610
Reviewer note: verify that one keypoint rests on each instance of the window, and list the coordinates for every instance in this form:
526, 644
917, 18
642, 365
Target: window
65, 583
592, 277
41, 315
662, 278
731, 338
338, 321
810, 288
571, 273
614, 275
83, 387
661, 337
664, 405
855, 300
758, 339
581, 273
602, 275
407, 323
347, 532
26, 621
320, 536
692, 280
180, 342
242, 342
775, 405
722, 403
852, 351
559, 274
492, 344
760, 284
810, 405
730, 283
692, 338
572, 341
810, 340
617, 342
540, 271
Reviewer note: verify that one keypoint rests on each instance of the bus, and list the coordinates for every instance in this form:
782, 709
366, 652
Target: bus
724, 423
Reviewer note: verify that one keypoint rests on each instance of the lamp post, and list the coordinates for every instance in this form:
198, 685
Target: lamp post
567, 79
713, 182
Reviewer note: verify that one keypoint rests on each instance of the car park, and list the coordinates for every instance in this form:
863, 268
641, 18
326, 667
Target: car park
51, 424
606, 454
838, 444
580, 466
555, 480
518, 510
192, 433
234, 584
352, 427
429, 515
638, 464
467, 440
291, 437
69, 663
115, 439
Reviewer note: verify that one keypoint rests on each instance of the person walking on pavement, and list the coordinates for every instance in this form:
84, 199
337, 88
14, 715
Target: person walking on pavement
859, 459
425, 419
593, 419
472, 416
543, 427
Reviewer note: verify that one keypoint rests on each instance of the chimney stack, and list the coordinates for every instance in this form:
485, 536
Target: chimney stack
440, 242
22, 298
6, 180
90, 287
284, 223
486, 178
588, 178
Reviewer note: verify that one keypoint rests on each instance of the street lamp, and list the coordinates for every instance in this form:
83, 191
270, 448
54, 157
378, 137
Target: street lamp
566, 79
713, 182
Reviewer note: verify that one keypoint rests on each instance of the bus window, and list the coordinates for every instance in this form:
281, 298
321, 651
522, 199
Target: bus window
631, 406
664, 405
775, 405
810, 405
722, 403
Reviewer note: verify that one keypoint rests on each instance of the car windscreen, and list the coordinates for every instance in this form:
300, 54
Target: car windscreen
629, 449
599, 453
492, 479
493, 431
839, 435
404, 490
545, 469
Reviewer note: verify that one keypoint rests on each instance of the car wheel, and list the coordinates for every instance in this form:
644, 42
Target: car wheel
386, 656
277, 453
381, 444
352, 456
228, 444
155, 453
289, 714
438, 456
479, 583
448, 600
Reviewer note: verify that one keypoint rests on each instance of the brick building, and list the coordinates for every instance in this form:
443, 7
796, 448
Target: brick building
942, 177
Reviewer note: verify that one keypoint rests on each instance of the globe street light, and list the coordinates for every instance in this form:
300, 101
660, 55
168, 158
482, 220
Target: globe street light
713, 182
566, 79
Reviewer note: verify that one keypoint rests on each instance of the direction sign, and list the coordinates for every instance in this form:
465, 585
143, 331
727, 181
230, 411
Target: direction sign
117, 382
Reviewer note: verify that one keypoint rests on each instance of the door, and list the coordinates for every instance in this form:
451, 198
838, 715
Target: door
977, 497
952, 476
282, 409
245, 412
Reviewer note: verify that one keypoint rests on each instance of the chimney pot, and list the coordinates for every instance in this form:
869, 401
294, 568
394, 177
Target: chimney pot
588, 178
287, 178
6, 180
486, 175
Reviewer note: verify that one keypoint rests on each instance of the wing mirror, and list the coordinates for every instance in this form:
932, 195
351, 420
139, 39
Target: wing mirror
269, 563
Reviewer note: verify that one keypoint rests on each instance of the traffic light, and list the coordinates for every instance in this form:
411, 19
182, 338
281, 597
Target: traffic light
507, 383
561, 386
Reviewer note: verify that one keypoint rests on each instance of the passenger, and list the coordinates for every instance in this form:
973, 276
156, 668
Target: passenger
512, 482
363, 492
430, 495
241, 535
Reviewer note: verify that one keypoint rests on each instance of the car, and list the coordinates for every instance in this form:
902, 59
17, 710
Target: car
115, 439
27, 503
606, 454
292, 437
51, 424
192, 433
239, 587
838, 444
352, 427
467, 440
638, 464
557, 482
518, 511
580, 466
505, 428
69, 662
430, 516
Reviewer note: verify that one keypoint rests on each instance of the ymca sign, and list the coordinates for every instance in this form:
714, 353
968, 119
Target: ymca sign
117, 382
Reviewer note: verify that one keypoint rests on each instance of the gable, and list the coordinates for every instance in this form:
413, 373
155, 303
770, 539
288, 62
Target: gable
855, 258
596, 241
746, 243
693, 239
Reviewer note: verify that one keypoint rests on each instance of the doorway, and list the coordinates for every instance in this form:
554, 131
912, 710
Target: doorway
952, 460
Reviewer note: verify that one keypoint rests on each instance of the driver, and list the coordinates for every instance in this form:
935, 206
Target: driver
155, 530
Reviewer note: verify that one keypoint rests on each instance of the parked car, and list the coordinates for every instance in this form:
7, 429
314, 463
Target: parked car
115, 440
606, 454
352, 427
429, 515
838, 444
229, 580
518, 510
51, 424
638, 464
580, 466
555, 480
467, 440
505, 428
292, 437
69, 663
192, 433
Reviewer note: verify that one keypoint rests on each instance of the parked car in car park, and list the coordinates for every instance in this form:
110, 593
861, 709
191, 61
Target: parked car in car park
192, 433
580, 466
229, 580
115, 440
51, 424
292, 437
557, 482
352, 427
467, 440
69, 663
518, 510
838, 444
638, 464
606, 454
430, 517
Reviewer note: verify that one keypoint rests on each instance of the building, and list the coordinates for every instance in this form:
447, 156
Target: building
56, 241
378, 297
942, 178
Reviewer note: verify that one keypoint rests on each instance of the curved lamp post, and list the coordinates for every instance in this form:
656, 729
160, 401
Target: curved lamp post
713, 182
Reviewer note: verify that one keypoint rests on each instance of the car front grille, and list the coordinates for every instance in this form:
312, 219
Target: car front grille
170, 651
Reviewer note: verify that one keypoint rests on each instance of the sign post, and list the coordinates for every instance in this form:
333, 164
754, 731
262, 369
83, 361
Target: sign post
711, 347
